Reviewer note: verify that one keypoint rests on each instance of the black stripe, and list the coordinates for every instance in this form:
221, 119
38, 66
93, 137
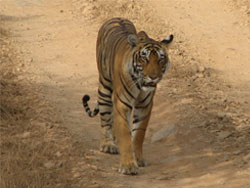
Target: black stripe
135, 80
124, 86
106, 125
125, 119
134, 67
104, 113
106, 87
135, 55
106, 100
104, 104
126, 104
145, 98
103, 94
137, 107
136, 120
135, 129
106, 120
108, 80
96, 111
157, 46
138, 86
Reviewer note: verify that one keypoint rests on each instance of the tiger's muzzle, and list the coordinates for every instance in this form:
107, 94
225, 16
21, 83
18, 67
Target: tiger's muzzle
150, 81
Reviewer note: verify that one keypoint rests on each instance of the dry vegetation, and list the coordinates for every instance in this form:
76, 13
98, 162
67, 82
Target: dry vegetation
31, 149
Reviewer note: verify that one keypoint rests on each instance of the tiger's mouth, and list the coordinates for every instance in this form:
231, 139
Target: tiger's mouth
149, 84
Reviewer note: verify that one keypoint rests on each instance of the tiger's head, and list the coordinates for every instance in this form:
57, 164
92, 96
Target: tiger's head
150, 59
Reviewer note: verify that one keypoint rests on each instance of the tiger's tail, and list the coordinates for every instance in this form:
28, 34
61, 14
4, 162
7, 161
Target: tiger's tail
85, 100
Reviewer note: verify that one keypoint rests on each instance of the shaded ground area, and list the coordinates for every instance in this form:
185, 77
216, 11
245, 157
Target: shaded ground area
199, 133
31, 155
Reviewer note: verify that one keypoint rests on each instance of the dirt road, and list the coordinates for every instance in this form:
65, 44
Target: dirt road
199, 133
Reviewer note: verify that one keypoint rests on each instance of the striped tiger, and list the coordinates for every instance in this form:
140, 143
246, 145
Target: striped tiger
130, 65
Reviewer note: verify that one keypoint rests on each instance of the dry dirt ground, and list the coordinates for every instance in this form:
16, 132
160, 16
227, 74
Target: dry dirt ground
199, 133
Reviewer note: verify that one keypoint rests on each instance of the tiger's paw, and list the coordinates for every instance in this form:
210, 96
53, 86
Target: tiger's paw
129, 169
109, 147
142, 163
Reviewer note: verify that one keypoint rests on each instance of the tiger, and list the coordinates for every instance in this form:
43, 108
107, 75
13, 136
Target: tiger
130, 66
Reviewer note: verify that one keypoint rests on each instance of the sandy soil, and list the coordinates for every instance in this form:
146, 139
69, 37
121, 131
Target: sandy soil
199, 133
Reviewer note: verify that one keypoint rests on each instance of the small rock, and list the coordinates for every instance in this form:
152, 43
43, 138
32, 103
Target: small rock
164, 133
76, 175
93, 167
204, 123
21, 65
237, 152
197, 68
224, 116
49, 164
58, 154
162, 178
59, 164
224, 134
220, 126
222, 182
199, 75
200, 68
25, 135
50, 126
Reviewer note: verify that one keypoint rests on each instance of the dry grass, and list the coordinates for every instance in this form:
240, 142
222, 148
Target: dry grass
33, 148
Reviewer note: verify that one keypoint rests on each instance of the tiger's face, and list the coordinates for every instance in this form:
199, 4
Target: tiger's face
150, 61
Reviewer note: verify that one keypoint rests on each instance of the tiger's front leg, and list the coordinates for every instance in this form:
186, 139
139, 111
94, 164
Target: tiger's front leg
122, 111
140, 123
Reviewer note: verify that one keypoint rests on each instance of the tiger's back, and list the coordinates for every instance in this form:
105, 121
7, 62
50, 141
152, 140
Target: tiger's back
112, 36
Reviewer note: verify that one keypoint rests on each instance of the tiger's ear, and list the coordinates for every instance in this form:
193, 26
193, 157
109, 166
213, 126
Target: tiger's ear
132, 40
168, 40
142, 36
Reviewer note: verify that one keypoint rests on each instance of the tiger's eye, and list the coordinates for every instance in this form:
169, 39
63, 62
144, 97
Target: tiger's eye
161, 61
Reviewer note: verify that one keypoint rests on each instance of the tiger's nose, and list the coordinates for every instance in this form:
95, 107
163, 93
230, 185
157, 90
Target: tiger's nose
153, 77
